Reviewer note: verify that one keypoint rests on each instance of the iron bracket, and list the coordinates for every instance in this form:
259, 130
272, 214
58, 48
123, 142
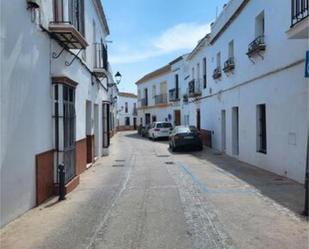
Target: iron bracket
55, 55
75, 56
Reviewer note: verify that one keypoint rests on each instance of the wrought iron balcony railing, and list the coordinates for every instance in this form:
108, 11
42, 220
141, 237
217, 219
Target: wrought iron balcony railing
256, 46
68, 25
217, 73
144, 102
300, 10
100, 56
161, 99
229, 65
174, 94
194, 88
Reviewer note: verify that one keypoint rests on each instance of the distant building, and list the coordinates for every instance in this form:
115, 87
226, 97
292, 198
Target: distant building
127, 111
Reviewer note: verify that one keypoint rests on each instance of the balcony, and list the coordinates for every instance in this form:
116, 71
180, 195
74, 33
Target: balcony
100, 66
68, 24
174, 95
299, 20
194, 89
257, 46
217, 73
144, 102
229, 65
161, 99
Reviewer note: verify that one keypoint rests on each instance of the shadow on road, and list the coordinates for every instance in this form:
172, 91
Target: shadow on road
282, 190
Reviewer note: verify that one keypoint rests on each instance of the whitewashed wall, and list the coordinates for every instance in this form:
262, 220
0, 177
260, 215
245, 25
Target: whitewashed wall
278, 83
121, 110
26, 98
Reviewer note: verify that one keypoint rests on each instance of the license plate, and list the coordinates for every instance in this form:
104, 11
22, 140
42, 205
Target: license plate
189, 137
164, 131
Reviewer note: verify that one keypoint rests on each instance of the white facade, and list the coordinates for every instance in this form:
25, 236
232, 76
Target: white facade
153, 97
265, 79
126, 111
27, 95
258, 111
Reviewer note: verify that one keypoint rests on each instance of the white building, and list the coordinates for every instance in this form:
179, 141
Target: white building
246, 87
255, 104
127, 111
55, 105
152, 96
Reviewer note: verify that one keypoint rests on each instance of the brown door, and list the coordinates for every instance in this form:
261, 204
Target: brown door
177, 117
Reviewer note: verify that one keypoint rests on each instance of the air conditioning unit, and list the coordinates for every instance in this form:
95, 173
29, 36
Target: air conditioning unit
33, 4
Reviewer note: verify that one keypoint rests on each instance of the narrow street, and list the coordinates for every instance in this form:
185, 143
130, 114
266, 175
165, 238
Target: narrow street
144, 197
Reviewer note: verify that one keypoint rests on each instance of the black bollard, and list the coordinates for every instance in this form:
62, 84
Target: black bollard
61, 182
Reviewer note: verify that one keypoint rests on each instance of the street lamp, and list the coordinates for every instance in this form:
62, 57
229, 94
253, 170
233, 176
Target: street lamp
118, 77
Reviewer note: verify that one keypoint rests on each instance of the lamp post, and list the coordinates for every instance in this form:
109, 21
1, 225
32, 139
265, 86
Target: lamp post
118, 77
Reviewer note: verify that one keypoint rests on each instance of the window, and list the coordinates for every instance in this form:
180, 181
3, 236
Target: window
204, 72
126, 107
154, 91
218, 60
139, 94
193, 74
65, 127
198, 71
260, 25
127, 121
261, 128
177, 86
231, 49
76, 16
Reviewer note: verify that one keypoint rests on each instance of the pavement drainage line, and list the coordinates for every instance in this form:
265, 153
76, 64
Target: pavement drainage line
91, 243
205, 229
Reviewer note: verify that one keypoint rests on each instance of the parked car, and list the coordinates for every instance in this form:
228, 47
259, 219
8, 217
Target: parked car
185, 137
160, 130
145, 131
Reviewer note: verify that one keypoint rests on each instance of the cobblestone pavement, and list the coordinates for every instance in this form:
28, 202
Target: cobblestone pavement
144, 197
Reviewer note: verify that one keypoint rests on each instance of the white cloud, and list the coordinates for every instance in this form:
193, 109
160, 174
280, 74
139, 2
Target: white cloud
183, 36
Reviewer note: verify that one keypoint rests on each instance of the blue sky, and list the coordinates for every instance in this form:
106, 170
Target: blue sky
147, 34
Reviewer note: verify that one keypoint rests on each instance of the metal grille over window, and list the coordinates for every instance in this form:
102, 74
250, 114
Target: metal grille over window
65, 128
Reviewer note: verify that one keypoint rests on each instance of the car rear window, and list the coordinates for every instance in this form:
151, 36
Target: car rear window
164, 125
183, 130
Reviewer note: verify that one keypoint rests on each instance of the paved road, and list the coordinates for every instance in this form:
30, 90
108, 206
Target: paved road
144, 197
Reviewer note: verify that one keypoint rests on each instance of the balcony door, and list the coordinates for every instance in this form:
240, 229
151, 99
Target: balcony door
76, 14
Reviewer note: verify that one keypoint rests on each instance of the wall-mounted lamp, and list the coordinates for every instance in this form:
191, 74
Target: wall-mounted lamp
118, 77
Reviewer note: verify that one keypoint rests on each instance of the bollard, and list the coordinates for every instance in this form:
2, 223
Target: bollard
61, 182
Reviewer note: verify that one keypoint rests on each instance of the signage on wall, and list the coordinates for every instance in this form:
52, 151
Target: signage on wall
307, 65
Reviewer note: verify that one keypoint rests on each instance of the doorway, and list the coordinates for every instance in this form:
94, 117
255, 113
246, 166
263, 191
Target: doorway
223, 130
177, 116
89, 135
134, 124
147, 119
96, 130
105, 124
198, 119
235, 130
